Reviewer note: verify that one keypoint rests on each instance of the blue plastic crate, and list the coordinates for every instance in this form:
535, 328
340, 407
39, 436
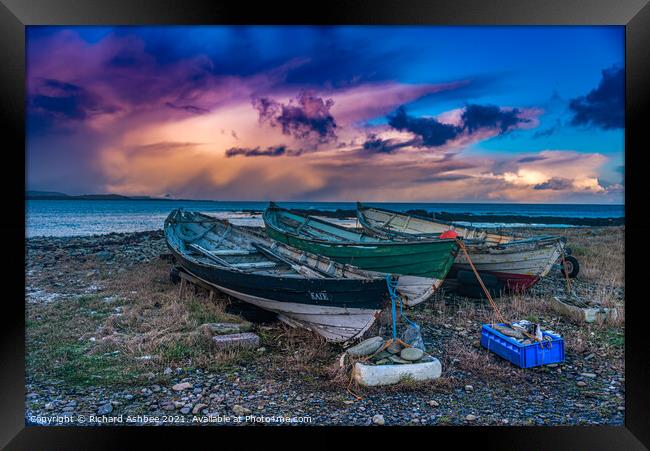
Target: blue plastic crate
524, 356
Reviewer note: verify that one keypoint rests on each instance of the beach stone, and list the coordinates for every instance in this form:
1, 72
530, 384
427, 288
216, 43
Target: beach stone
198, 408
366, 347
411, 354
49, 406
469, 388
225, 328
434, 403
185, 410
581, 383
182, 386
240, 410
379, 420
589, 375
398, 359
105, 409
246, 340
382, 355
470, 417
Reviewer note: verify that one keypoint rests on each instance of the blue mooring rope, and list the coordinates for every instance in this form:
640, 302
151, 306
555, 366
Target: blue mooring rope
392, 291
392, 287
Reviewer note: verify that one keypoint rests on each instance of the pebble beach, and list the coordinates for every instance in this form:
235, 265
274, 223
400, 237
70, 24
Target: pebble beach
97, 306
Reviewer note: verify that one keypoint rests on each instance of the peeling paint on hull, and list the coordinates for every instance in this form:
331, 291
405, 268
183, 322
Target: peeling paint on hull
518, 263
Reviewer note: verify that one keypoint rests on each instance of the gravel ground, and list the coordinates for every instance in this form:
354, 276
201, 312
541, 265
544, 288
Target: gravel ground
588, 388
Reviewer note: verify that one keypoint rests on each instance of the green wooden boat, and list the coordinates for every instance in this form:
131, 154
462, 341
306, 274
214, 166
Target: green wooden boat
424, 258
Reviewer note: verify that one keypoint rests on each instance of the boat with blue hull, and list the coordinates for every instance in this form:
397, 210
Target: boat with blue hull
337, 301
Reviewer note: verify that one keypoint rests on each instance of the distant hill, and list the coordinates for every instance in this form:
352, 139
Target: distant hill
44, 194
53, 195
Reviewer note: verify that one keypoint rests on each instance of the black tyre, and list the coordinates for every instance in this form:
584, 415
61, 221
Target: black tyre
572, 266
174, 275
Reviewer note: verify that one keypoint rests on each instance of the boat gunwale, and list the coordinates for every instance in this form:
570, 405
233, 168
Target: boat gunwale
474, 244
380, 241
368, 276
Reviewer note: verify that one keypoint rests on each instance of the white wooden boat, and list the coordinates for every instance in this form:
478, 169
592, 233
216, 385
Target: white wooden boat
338, 301
517, 263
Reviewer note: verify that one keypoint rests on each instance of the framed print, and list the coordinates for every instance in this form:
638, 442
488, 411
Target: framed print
419, 216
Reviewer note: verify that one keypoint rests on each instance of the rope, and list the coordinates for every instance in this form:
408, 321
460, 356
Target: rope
566, 273
394, 296
392, 291
485, 290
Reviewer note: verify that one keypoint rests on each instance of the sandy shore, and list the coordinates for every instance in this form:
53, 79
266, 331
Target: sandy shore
107, 334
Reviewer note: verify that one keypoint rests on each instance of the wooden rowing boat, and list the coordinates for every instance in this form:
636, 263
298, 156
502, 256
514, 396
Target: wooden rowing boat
517, 263
425, 262
339, 302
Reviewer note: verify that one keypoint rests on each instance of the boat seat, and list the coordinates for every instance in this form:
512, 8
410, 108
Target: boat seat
253, 265
233, 252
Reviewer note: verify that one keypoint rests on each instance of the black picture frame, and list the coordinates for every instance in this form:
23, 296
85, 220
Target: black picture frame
634, 14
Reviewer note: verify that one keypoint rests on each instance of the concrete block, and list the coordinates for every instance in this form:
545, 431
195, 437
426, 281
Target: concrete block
373, 375
245, 340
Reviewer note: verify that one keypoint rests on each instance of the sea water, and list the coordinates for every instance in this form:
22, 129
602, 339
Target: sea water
89, 217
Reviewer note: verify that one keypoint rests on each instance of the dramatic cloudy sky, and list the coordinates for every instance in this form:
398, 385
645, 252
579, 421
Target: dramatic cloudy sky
510, 114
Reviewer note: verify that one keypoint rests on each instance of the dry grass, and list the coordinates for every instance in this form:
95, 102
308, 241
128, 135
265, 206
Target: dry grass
156, 323
145, 328
601, 253
299, 351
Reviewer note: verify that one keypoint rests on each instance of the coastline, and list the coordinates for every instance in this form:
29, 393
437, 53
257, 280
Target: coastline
95, 304
91, 224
